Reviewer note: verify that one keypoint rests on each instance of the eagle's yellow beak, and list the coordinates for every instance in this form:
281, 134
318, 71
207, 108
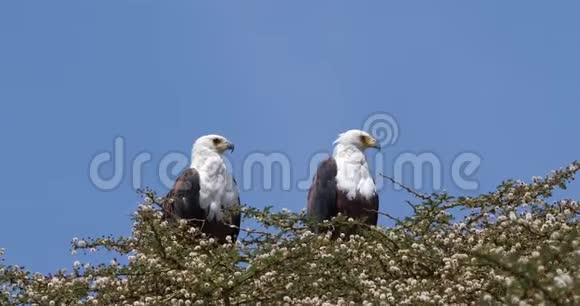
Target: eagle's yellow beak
224, 146
230, 146
370, 142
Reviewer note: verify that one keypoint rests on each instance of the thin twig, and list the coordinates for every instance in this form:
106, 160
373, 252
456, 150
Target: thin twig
408, 189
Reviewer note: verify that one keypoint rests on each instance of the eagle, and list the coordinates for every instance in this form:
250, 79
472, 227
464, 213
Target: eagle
343, 183
206, 193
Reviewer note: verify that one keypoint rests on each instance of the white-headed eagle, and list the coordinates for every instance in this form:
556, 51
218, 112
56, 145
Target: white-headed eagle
343, 182
206, 193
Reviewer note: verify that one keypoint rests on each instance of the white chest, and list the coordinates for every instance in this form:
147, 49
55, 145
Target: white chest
217, 189
353, 175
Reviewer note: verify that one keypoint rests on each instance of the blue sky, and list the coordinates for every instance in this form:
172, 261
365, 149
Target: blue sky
496, 78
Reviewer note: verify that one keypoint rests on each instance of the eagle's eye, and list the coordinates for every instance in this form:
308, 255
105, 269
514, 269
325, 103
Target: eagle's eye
364, 139
216, 141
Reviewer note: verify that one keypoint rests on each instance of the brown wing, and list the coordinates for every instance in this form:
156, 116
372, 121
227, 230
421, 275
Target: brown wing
322, 193
183, 200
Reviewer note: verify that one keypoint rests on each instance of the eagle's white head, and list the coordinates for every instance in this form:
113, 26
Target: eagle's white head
213, 143
358, 139
353, 176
